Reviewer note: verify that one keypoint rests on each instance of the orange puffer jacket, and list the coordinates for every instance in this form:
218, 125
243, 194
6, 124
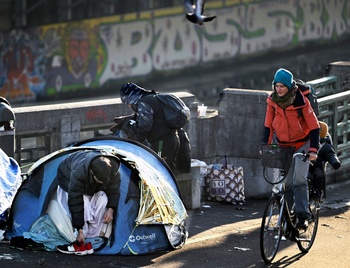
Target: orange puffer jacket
290, 128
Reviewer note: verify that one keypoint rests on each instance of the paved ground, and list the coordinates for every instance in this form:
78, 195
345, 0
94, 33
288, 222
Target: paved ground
210, 226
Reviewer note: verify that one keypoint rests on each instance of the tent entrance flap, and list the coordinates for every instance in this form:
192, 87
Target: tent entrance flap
159, 203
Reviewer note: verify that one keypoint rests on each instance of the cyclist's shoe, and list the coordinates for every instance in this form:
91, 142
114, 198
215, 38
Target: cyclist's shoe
302, 224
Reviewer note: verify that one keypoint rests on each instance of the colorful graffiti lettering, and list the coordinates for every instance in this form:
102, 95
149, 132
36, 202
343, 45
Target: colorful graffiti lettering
54, 59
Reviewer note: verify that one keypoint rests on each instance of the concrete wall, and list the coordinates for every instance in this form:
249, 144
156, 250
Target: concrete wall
234, 130
340, 69
65, 122
241, 119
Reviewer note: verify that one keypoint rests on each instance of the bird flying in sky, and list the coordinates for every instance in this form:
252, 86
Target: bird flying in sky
194, 12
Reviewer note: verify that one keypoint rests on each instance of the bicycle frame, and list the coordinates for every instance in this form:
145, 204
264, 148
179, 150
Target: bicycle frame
279, 221
286, 215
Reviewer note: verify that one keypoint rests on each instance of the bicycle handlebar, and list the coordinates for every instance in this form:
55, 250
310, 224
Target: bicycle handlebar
280, 158
305, 156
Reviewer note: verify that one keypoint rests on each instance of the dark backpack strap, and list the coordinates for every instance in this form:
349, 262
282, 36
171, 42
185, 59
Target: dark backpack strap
300, 112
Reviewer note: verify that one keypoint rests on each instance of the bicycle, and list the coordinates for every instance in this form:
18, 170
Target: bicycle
278, 222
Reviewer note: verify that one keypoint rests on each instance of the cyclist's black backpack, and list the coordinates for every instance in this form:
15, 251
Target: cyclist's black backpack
176, 113
309, 92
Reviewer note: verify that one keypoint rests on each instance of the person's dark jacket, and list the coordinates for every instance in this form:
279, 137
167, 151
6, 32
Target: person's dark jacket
74, 177
148, 122
326, 154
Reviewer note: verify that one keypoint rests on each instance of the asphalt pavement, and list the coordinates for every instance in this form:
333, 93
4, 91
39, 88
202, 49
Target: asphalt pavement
214, 219
208, 226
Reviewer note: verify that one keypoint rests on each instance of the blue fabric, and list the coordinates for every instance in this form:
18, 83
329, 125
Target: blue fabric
283, 76
10, 181
24, 212
44, 231
131, 93
146, 239
135, 149
130, 239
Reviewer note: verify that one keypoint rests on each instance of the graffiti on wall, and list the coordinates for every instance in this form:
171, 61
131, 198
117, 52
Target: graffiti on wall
72, 61
66, 57
21, 66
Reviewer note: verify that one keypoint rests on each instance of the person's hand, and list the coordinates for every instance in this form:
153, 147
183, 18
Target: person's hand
312, 156
81, 237
119, 122
108, 217
262, 145
119, 119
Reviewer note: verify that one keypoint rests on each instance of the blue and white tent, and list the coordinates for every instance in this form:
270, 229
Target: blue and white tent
150, 216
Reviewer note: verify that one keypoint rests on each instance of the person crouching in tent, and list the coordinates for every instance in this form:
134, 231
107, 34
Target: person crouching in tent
88, 189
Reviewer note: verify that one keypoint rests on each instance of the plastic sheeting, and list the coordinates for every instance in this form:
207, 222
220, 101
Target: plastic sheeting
159, 203
10, 181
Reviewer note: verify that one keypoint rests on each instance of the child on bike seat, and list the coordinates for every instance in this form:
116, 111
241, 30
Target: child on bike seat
326, 154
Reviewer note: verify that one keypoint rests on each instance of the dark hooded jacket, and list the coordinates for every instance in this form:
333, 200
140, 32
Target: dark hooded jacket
74, 177
148, 122
325, 154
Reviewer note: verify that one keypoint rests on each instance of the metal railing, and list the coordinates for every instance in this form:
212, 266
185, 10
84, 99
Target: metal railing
335, 111
324, 86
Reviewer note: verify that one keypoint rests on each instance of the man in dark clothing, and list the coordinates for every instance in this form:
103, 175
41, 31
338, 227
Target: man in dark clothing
85, 173
147, 123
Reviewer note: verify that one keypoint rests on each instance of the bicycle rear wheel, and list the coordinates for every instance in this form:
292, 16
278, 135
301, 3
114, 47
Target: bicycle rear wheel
271, 230
307, 238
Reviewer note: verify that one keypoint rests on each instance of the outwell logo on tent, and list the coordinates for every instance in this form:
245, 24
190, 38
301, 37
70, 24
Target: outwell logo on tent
142, 238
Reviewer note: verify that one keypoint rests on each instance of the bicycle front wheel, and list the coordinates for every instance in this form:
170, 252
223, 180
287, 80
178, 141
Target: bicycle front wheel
307, 238
271, 230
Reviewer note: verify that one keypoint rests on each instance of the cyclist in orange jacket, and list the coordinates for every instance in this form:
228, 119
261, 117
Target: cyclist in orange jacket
284, 123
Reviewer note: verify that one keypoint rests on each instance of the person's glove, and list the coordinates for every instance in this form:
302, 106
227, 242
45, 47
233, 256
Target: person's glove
119, 119
119, 122
122, 119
